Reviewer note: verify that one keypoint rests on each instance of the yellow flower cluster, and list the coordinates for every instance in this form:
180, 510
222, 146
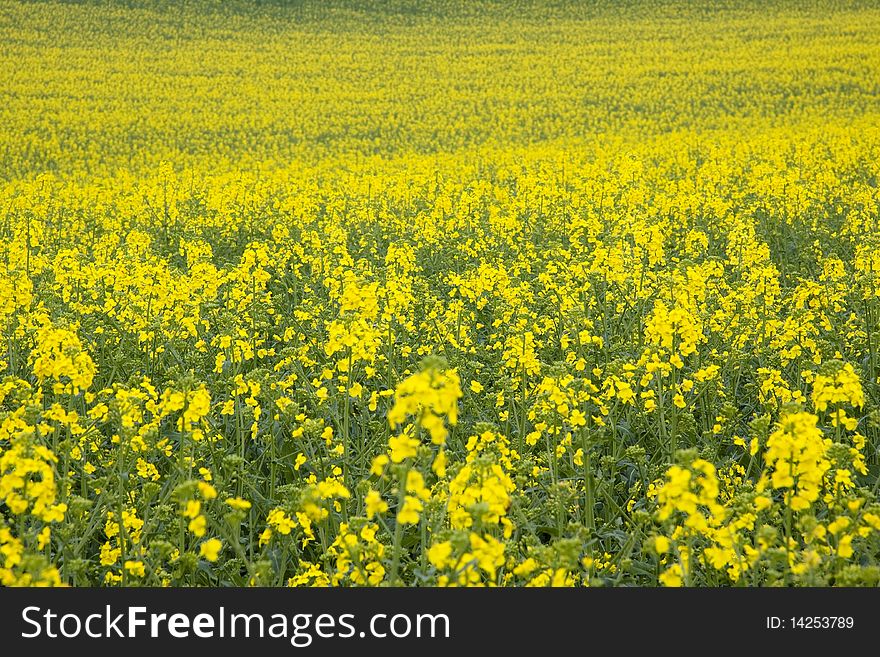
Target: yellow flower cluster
59, 357
838, 384
428, 396
796, 460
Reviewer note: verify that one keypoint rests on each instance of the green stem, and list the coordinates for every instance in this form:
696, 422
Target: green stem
398, 530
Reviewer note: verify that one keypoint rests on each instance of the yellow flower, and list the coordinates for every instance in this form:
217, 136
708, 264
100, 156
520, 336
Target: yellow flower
439, 464
374, 504
280, 521
672, 577
439, 554
135, 568
378, 465
210, 549
409, 513
198, 526
415, 484
238, 503
402, 447
207, 490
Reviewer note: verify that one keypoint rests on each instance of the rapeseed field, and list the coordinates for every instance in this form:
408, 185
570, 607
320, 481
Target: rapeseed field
439, 294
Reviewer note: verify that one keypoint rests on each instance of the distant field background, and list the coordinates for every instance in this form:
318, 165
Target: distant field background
97, 85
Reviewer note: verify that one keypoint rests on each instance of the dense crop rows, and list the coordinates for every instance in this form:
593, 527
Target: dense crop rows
439, 295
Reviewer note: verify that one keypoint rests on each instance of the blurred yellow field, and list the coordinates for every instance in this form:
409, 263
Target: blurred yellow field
439, 294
